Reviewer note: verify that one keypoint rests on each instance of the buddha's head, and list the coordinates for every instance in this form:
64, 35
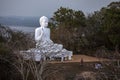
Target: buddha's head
43, 21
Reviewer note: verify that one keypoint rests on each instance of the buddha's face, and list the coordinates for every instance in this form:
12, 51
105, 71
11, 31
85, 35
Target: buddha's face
44, 23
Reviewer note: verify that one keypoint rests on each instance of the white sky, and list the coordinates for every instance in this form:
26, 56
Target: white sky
48, 7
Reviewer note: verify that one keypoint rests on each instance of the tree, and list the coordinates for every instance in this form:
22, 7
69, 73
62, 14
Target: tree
103, 26
111, 22
68, 17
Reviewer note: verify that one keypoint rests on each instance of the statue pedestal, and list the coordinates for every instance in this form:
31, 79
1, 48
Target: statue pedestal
36, 55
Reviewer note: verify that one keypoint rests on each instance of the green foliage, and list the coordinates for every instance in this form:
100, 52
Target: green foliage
111, 23
68, 18
103, 27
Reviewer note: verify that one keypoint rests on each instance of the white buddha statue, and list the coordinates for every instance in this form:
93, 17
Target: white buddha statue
45, 44
42, 33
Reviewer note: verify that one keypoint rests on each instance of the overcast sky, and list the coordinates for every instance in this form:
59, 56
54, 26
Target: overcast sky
48, 7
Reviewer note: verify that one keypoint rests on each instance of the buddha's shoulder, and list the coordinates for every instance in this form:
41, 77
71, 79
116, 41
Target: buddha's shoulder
38, 28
